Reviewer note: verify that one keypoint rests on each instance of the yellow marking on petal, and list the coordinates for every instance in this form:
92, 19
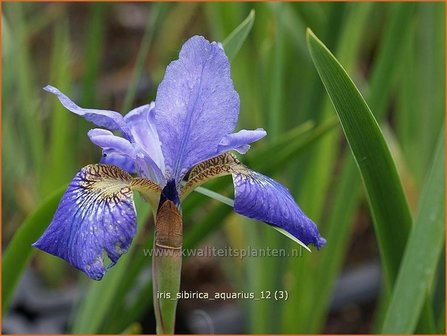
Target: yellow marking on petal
109, 182
225, 164
149, 190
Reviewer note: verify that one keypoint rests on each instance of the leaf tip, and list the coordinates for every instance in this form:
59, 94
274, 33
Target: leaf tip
309, 33
252, 14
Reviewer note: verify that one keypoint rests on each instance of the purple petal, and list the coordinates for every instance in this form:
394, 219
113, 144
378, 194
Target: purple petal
141, 125
133, 151
262, 198
107, 140
112, 157
104, 118
240, 141
96, 215
196, 106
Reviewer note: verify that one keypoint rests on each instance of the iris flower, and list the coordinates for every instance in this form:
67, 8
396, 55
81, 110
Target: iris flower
165, 149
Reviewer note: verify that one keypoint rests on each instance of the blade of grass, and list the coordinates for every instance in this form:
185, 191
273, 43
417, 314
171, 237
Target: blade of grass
384, 190
422, 253
19, 250
234, 41
342, 214
388, 204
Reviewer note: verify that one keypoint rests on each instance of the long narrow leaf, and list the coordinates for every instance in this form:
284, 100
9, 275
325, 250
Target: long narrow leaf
234, 41
422, 253
346, 199
387, 201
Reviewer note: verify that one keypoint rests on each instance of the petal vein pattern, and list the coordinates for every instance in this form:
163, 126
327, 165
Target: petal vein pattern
95, 218
195, 107
260, 197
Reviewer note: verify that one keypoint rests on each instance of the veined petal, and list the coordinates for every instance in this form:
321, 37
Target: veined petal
224, 164
104, 118
262, 198
141, 124
95, 216
196, 106
241, 140
256, 196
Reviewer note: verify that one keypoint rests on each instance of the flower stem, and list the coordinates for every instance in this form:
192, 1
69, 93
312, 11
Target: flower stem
167, 265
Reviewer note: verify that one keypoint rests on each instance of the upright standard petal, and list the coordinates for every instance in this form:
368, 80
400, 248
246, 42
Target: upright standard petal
95, 218
262, 198
104, 118
196, 106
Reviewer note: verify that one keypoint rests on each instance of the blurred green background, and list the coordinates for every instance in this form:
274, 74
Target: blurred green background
113, 55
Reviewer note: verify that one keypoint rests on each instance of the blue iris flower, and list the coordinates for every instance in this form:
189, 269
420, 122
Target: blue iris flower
166, 149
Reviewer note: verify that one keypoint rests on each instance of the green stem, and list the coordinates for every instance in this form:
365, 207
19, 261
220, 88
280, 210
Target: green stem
167, 265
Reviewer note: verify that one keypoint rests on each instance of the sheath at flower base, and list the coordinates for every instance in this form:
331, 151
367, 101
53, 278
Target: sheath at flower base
189, 128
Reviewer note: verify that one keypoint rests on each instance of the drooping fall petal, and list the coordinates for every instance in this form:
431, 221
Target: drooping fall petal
95, 219
260, 197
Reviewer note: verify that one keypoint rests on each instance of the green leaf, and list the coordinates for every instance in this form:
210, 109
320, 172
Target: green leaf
19, 250
346, 198
234, 41
386, 198
422, 252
